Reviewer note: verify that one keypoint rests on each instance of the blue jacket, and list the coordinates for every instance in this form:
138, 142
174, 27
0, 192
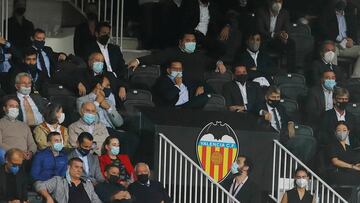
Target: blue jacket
46, 166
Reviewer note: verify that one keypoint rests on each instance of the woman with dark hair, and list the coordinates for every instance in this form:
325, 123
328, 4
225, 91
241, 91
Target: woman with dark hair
299, 193
110, 155
344, 162
53, 117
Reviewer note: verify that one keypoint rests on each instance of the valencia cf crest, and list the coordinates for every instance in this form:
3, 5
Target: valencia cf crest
217, 148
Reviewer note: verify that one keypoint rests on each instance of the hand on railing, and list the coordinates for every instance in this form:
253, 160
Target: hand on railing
133, 64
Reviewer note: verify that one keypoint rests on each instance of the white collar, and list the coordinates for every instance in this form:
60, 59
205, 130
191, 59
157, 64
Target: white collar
239, 83
252, 53
19, 95
102, 46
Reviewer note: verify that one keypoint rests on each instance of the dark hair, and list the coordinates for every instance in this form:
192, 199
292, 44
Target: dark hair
238, 64
300, 168
11, 152
341, 123
107, 142
252, 33
326, 71
74, 159
101, 25
50, 135
247, 163
50, 113
169, 62
7, 98
340, 91
83, 136
109, 166
29, 52
92, 17
272, 89
38, 30
186, 32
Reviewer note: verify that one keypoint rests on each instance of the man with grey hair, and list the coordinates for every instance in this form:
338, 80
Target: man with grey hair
339, 113
31, 105
145, 190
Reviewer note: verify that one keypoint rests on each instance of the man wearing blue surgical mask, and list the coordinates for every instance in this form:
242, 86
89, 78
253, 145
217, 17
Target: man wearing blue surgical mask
89, 122
174, 90
13, 180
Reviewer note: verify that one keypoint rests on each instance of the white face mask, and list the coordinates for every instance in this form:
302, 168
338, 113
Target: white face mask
342, 135
329, 56
25, 90
62, 118
301, 182
13, 113
276, 7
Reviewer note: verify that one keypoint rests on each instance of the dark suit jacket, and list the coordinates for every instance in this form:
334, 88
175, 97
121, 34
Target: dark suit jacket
315, 106
21, 184
329, 121
82, 38
20, 34
329, 23
319, 67
249, 193
116, 60
265, 66
263, 22
39, 101
53, 59
232, 94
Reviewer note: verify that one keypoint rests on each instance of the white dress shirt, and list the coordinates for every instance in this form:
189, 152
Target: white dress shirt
273, 20
328, 99
342, 118
253, 55
46, 60
105, 52
38, 116
183, 95
341, 26
243, 92
204, 18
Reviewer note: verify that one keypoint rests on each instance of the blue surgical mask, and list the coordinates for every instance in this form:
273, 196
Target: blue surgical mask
89, 118
14, 169
235, 168
115, 150
329, 84
175, 74
98, 67
190, 47
58, 146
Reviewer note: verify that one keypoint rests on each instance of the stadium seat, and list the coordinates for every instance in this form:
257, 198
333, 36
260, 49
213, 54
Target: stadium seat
303, 130
354, 108
290, 106
289, 79
217, 84
144, 77
137, 97
303, 147
211, 75
216, 102
50, 90
353, 86
293, 91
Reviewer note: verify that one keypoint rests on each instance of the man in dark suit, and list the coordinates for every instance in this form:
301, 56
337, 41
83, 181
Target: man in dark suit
339, 113
241, 186
173, 90
320, 99
85, 34
256, 61
326, 63
240, 94
114, 61
31, 105
339, 24
273, 23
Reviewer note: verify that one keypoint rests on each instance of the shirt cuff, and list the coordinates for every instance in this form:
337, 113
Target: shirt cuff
97, 104
137, 60
272, 34
109, 110
261, 112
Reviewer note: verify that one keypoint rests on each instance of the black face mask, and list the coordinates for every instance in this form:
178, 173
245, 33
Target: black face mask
39, 44
32, 68
107, 91
143, 178
20, 11
341, 105
340, 6
103, 39
83, 152
114, 179
273, 103
241, 78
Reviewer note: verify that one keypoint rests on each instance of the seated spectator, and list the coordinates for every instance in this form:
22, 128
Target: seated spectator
91, 165
325, 63
111, 190
13, 179
175, 90
336, 114
274, 116
104, 101
69, 189
338, 23
299, 192
31, 105
53, 117
241, 186
195, 63
343, 160
256, 60
114, 61
320, 99
145, 190
85, 34
51, 161
240, 94
273, 22
88, 123
110, 154
5, 62
14, 133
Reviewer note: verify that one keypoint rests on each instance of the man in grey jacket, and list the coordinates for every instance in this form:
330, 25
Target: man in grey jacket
71, 189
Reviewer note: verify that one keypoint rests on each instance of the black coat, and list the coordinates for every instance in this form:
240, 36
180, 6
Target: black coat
144, 194
40, 103
249, 192
318, 67
232, 95
263, 22
82, 38
53, 59
21, 184
315, 106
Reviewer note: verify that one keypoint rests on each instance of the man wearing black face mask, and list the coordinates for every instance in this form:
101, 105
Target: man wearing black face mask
339, 113
91, 166
145, 190
111, 190
240, 94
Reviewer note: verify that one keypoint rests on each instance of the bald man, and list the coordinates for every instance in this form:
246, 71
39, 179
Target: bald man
13, 181
145, 190
88, 122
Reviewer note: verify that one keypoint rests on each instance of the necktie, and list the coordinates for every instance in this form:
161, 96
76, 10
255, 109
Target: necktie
30, 117
42, 63
277, 122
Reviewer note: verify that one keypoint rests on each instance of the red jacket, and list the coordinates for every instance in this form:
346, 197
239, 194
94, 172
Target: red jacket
124, 159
